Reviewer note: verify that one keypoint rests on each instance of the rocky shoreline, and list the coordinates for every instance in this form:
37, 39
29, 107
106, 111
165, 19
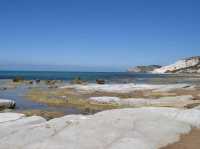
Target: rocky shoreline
114, 116
113, 129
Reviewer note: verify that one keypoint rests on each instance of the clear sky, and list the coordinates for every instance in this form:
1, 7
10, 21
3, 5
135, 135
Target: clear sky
98, 33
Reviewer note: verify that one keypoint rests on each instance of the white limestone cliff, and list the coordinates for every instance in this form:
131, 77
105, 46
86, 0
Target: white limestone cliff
188, 65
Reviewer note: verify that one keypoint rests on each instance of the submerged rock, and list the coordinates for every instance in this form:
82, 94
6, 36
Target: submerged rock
144, 128
3, 88
188, 65
5, 103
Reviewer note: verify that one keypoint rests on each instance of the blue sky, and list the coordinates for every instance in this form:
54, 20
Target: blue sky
97, 33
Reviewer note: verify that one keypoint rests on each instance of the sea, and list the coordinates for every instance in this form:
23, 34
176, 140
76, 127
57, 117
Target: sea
109, 77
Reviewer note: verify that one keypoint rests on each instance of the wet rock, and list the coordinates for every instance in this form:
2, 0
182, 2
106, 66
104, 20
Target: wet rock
31, 82
5, 103
3, 88
37, 81
51, 82
18, 79
78, 80
99, 81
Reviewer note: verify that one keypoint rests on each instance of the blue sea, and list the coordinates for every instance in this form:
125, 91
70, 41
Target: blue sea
110, 77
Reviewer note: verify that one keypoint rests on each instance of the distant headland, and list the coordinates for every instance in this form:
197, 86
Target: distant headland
187, 65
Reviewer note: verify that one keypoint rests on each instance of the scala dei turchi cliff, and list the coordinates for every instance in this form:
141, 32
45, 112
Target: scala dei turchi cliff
187, 65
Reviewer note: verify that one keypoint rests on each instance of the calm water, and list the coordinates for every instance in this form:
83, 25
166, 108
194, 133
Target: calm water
18, 95
110, 77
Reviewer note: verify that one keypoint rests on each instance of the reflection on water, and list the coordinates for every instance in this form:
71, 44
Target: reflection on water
18, 95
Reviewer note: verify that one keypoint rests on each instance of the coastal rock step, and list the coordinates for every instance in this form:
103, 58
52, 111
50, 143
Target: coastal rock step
171, 101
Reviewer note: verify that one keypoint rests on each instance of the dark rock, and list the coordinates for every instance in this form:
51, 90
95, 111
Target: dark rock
78, 80
98, 81
37, 81
18, 79
31, 82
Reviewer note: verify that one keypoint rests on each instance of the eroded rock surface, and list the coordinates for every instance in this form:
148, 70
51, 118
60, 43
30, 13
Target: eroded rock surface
173, 101
141, 128
126, 88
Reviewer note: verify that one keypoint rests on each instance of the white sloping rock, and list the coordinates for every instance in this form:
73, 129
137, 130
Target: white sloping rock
175, 101
105, 99
12, 126
6, 103
168, 88
141, 128
6, 117
124, 88
191, 64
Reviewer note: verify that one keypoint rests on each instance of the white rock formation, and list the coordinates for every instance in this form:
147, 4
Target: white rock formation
175, 101
6, 103
140, 128
125, 88
106, 99
189, 65
10, 117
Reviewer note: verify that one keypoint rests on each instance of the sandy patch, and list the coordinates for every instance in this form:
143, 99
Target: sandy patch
188, 141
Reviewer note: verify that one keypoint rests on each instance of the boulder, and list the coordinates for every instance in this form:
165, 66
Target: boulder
99, 81
7, 104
